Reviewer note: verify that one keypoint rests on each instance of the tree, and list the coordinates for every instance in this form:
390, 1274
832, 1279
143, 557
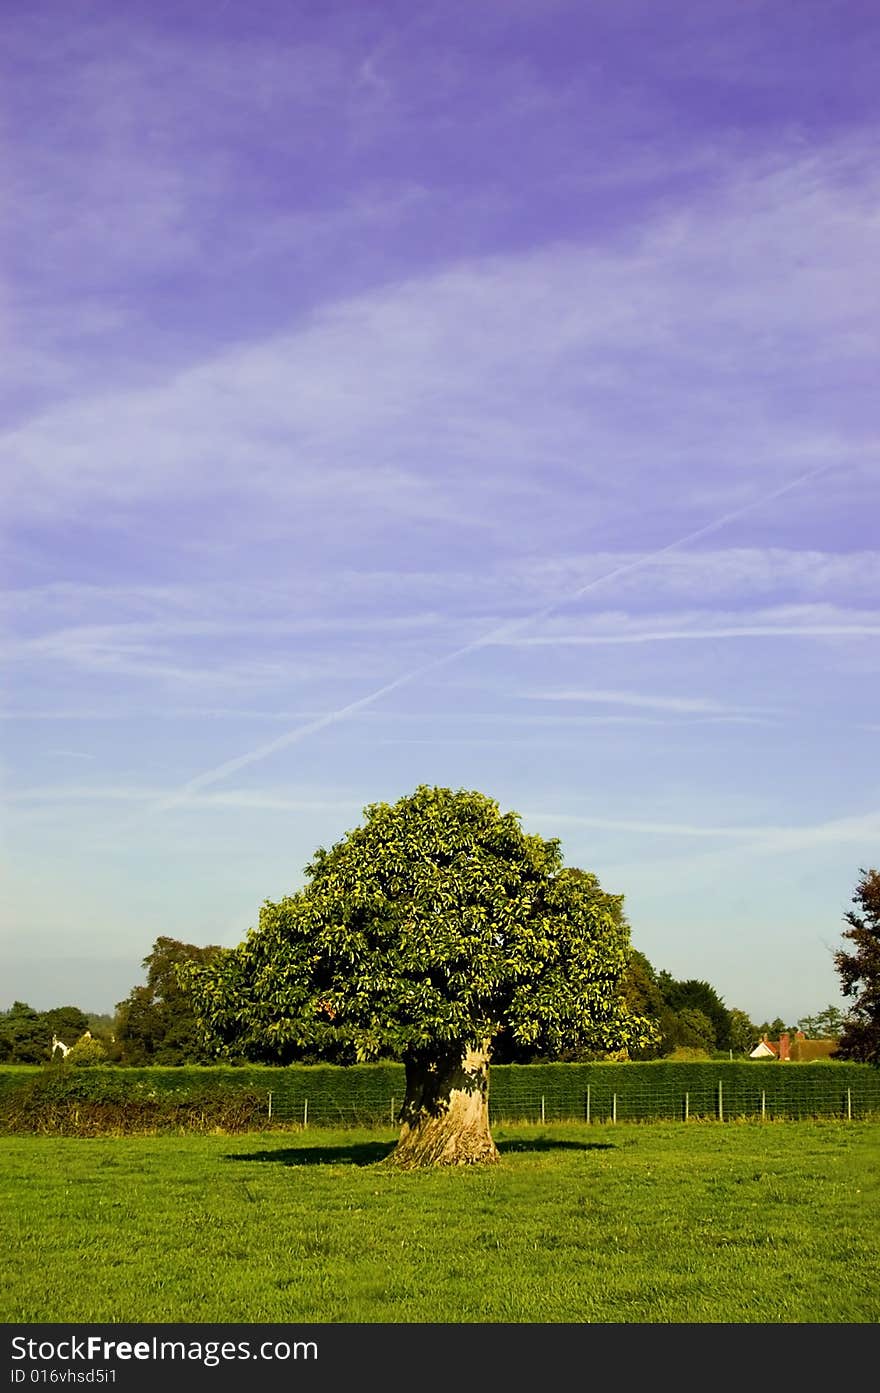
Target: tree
86, 1052
102, 1026
743, 1034
23, 1035
859, 972
69, 1023
643, 997
422, 935
637, 986
155, 1024
830, 1023
825, 1025
773, 1029
698, 996
694, 1030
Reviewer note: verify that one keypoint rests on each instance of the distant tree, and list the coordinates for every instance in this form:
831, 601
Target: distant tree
643, 997
825, 1025
669, 1031
694, 1030
155, 1024
698, 996
859, 971
102, 1026
24, 1035
641, 990
69, 1023
830, 1023
743, 1034
773, 1029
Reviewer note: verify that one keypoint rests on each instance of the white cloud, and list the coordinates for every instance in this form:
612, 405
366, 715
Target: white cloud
619, 627
52, 794
743, 573
697, 705
460, 397
755, 840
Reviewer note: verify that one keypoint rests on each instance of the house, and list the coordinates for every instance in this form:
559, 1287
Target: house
773, 1049
58, 1046
801, 1049
808, 1051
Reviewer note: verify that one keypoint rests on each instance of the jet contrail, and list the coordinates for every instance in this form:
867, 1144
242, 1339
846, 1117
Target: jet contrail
292, 737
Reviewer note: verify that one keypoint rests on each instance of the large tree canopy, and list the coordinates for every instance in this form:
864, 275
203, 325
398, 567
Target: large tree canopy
423, 935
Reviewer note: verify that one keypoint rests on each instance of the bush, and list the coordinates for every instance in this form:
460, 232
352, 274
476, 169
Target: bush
86, 1052
69, 1102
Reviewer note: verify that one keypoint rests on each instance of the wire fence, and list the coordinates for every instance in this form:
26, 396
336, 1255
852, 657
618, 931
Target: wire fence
720, 1101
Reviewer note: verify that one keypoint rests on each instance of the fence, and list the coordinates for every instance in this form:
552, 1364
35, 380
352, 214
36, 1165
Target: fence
519, 1099
371, 1095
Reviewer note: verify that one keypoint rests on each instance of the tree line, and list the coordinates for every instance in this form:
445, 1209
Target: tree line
156, 1023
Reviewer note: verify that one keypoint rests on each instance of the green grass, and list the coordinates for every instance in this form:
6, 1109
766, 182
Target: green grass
701, 1222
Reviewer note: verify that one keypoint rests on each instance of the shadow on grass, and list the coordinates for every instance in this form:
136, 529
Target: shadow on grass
548, 1144
357, 1154
371, 1152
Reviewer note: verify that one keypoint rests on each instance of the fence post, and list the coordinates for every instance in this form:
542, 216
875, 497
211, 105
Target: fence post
614, 1107
720, 1102
270, 1105
763, 1105
849, 1105
306, 1113
588, 1104
687, 1106
542, 1107
392, 1110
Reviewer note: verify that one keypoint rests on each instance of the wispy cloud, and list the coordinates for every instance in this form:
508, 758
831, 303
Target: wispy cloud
293, 737
221, 652
754, 840
616, 627
51, 795
750, 838
697, 705
77, 793
389, 376
372, 597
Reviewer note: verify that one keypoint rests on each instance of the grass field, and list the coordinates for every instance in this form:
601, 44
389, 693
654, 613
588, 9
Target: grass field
701, 1222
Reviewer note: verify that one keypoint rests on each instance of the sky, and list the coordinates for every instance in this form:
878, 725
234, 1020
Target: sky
474, 394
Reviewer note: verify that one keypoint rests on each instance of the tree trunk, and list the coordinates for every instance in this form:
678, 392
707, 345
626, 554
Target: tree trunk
445, 1113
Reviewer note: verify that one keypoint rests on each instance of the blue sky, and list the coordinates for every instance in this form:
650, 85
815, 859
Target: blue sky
479, 394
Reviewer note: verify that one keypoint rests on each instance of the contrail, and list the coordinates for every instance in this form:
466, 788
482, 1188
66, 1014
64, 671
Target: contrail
292, 737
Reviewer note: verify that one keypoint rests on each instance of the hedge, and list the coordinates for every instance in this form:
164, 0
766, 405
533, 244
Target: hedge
104, 1098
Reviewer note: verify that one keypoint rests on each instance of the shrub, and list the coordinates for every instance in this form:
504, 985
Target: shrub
86, 1052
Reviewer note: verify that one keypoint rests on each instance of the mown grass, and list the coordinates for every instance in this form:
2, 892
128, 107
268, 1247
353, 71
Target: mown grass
700, 1222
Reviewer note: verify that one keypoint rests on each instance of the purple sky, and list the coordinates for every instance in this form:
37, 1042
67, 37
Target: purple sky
471, 394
